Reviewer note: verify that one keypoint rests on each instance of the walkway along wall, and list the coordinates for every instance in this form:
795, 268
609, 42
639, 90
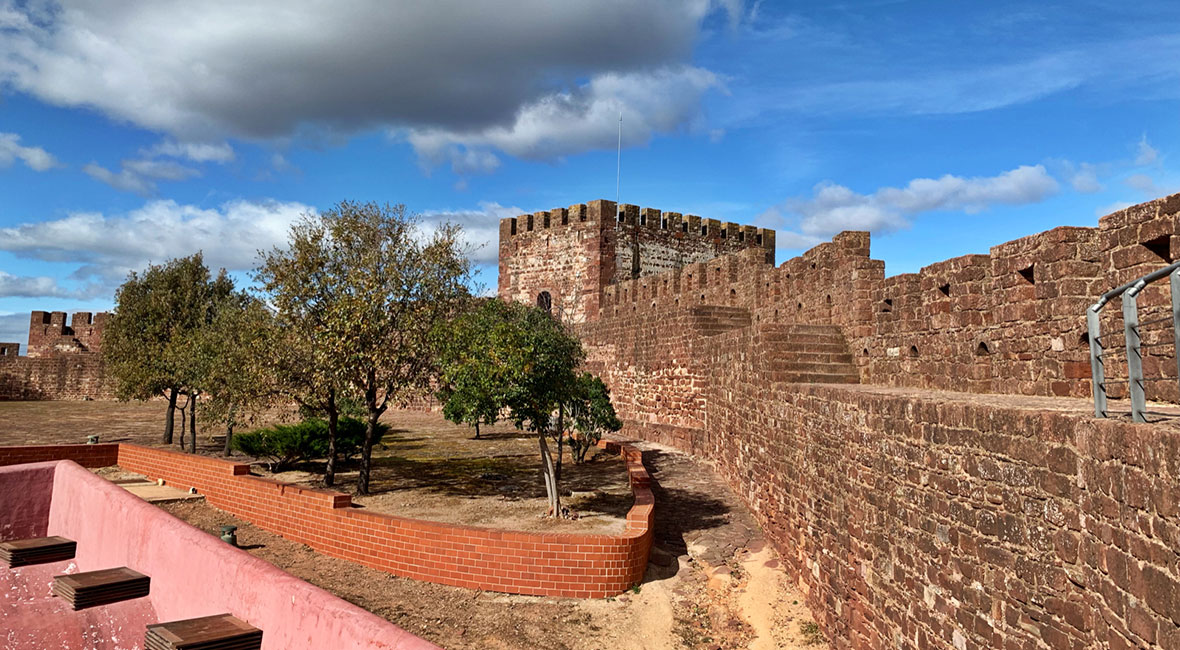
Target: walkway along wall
586, 566
1009, 322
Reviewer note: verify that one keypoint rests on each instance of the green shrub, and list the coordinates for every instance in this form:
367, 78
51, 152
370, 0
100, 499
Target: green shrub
283, 445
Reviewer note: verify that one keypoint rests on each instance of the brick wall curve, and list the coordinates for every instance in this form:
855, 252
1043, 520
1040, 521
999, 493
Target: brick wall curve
541, 564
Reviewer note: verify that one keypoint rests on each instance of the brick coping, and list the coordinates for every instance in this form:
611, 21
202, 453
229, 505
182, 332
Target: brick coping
548, 564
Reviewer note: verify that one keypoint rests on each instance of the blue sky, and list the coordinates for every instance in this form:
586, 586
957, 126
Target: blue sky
132, 132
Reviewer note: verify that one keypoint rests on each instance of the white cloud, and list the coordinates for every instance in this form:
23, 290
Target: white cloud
1103, 210
481, 227
565, 123
108, 246
199, 152
42, 287
101, 249
35, 158
833, 208
14, 328
1144, 183
1145, 153
139, 175
528, 77
1084, 178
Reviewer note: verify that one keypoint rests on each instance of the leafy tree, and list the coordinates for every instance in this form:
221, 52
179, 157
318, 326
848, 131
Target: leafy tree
233, 362
527, 362
471, 382
591, 414
147, 342
377, 287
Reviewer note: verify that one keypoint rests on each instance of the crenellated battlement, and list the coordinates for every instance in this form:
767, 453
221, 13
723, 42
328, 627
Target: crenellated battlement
687, 226
49, 333
566, 257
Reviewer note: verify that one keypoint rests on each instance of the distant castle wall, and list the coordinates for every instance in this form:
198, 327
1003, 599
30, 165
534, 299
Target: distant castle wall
64, 361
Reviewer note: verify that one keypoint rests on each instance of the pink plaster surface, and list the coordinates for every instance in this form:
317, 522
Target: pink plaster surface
25, 491
193, 574
31, 618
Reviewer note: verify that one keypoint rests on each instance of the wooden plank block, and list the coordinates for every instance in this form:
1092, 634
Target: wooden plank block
220, 632
101, 587
39, 550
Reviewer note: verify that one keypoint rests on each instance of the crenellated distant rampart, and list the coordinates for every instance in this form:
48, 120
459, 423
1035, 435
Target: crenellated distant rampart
63, 361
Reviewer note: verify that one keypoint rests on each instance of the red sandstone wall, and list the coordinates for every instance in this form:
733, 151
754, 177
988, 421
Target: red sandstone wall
926, 522
77, 376
562, 252
574, 253
1012, 321
49, 334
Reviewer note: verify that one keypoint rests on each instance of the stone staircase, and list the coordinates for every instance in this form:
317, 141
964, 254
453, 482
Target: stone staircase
816, 354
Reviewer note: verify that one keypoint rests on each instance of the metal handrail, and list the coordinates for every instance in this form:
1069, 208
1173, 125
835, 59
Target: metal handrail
1134, 344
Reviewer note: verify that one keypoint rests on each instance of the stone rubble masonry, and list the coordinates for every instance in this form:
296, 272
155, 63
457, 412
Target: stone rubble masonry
574, 253
63, 361
1009, 322
911, 517
541, 564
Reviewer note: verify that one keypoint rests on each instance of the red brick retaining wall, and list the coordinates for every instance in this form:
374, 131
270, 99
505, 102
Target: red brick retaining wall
586, 566
99, 455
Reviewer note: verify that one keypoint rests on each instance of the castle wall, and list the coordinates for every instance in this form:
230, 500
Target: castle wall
929, 520
64, 361
50, 334
61, 377
574, 253
916, 519
561, 252
1009, 322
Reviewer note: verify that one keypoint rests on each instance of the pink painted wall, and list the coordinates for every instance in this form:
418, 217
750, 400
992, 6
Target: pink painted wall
195, 574
25, 491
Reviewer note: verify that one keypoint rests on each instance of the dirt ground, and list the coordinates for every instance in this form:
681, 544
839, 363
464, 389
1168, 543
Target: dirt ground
425, 468
713, 581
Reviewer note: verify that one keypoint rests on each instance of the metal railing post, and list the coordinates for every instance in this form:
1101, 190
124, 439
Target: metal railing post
1174, 281
1097, 372
1134, 355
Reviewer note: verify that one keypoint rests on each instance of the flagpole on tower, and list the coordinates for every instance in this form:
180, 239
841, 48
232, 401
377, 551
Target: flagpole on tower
619, 163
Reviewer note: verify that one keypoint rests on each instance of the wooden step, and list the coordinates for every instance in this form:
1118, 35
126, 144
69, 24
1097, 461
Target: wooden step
102, 587
220, 632
38, 550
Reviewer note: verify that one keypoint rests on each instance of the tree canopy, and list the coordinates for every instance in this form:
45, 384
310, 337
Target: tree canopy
148, 344
375, 286
510, 360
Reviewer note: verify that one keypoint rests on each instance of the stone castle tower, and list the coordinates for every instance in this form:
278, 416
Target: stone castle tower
562, 259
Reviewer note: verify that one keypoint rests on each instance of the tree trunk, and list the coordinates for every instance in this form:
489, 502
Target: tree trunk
477, 429
192, 422
333, 420
560, 438
183, 422
547, 473
229, 432
170, 418
362, 481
